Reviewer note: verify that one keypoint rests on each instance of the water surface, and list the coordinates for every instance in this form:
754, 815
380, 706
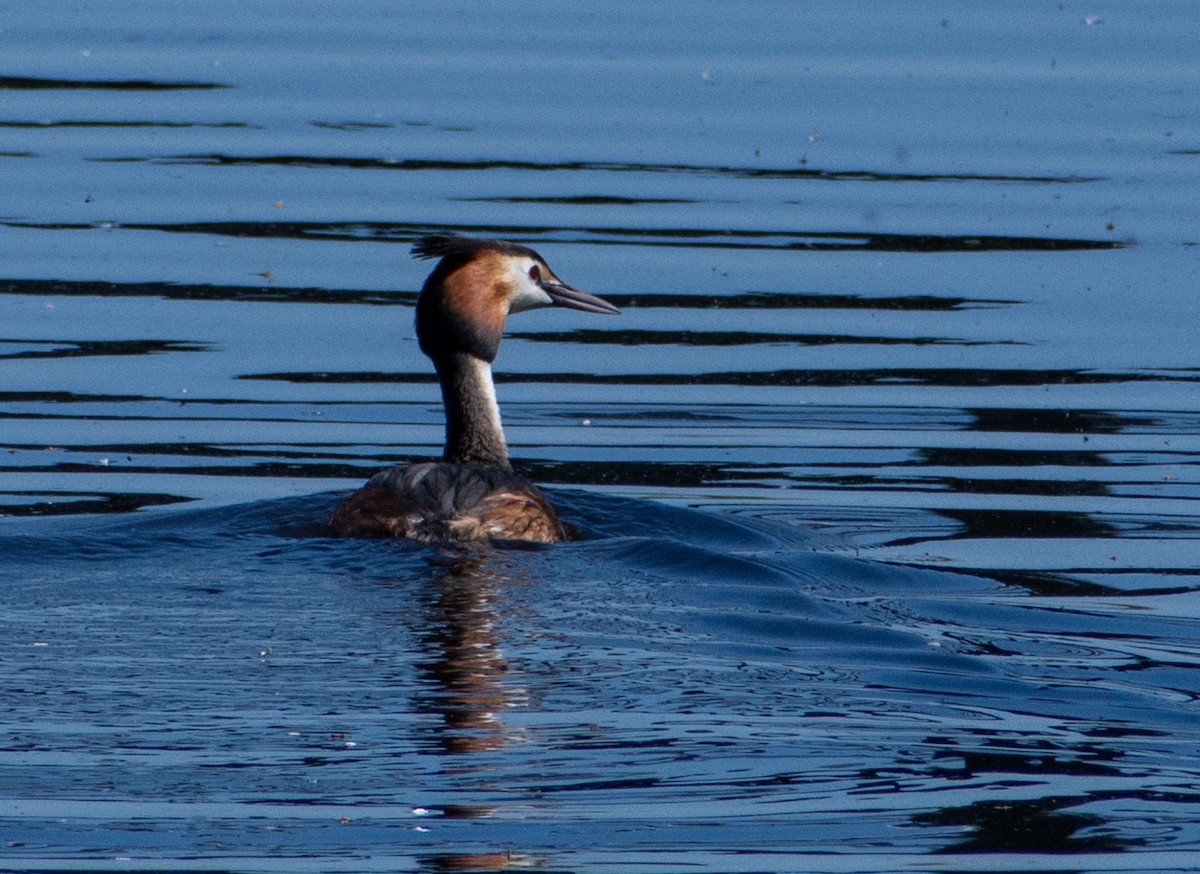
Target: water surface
886, 474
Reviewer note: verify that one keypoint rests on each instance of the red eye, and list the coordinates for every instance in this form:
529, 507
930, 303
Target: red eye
535, 273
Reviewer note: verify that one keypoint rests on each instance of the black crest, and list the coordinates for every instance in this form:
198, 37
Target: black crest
452, 245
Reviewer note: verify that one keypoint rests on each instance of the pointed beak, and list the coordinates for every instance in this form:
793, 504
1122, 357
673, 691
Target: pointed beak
572, 298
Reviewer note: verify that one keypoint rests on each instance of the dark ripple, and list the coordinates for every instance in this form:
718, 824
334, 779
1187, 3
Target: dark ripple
1027, 524
582, 200
631, 337
357, 125
1044, 825
18, 504
105, 124
424, 165
691, 238
181, 291
99, 348
1037, 421
68, 397
27, 83
953, 377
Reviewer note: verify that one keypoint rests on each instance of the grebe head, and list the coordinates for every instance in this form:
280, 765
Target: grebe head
476, 285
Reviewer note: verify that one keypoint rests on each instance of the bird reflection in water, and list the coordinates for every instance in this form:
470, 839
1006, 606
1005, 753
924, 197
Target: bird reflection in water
481, 862
468, 684
463, 661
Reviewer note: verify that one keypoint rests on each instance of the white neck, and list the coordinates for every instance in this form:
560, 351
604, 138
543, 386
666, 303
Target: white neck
473, 430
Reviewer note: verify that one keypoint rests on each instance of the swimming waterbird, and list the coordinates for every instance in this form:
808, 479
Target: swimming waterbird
473, 493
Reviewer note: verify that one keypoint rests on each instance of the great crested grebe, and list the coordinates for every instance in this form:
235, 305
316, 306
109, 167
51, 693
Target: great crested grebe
472, 494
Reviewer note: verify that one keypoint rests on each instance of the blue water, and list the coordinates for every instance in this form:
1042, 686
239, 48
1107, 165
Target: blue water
674, 691
886, 477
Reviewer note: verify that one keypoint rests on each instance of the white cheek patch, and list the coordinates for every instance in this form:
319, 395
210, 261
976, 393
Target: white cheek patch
528, 295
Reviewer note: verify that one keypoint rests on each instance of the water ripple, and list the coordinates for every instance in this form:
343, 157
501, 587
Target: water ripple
691, 238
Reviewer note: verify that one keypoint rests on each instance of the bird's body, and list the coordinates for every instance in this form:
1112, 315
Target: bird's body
445, 501
473, 493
